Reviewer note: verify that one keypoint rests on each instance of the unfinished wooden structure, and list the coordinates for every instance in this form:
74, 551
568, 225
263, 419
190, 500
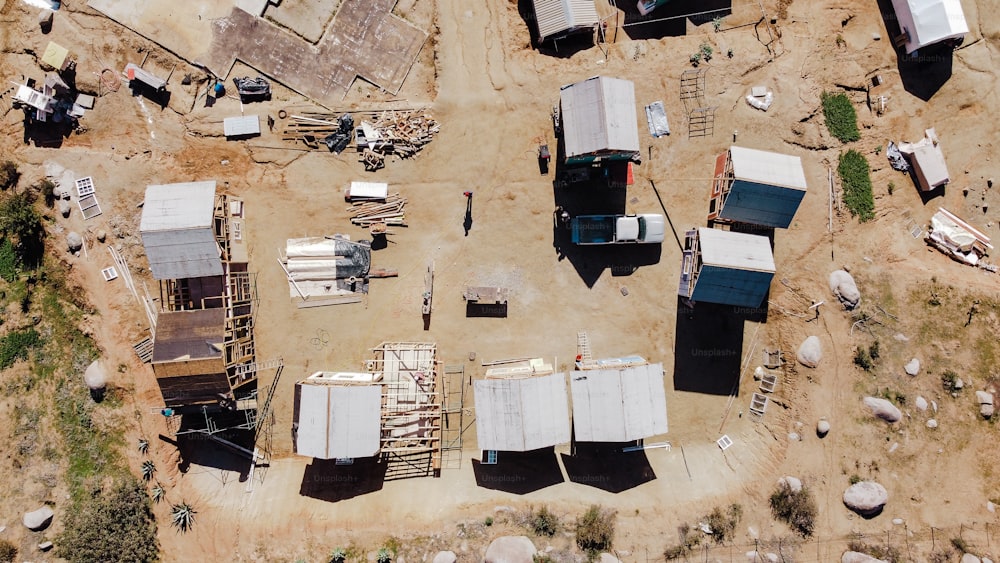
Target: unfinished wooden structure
411, 410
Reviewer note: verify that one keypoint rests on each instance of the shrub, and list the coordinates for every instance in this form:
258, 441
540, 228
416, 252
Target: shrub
148, 468
687, 544
723, 524
114, 526
706, 51
489, 521
874, 351
16, 344
877, 550
960, 544
338, 555
949, 380
182, 516
20, 221
8, 260
8, 552
891, 187
8, 175
542, 558
797, 509
544, 523
841, 119
854, 175
695, 59
384, 556
48, 191
863, 360
595, 530
854, 479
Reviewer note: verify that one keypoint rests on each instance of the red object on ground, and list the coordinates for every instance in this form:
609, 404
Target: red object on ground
467, 194
630, 179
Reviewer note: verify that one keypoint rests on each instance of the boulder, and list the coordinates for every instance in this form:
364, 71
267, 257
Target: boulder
920, 403
867, 498
37, 520
984, 397
883, 409
794, 483
986, 410
102, 235
822, 428
96, 377
858, 557
970, 558
794, 437
810, 352
63, 207
445, 557
842, 285
74, 242
932, 423
912, 367
958, 385
510, 549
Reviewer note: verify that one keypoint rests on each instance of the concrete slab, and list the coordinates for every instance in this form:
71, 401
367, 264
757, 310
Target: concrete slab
306, 18
364, 40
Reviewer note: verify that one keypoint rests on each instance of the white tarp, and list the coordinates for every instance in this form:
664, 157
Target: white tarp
957, 238
925, 22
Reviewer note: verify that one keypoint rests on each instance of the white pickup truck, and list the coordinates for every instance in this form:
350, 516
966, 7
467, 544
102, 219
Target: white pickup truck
618, 229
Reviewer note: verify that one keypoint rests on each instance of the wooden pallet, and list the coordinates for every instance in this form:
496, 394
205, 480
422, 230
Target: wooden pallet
144, 349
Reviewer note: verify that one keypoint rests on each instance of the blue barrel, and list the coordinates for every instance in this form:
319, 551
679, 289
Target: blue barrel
220, 90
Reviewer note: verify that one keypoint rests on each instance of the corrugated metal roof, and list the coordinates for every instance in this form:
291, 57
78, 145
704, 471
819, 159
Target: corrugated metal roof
187, 205
519, 415
770, 168
558, 16
612, 405
338, 421
599, 114
741, 251
241, 126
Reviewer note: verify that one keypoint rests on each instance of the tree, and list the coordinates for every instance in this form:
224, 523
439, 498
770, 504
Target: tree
116, 525
8, 175
20, 221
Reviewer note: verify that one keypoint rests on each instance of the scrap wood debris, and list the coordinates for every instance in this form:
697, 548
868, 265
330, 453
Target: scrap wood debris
389, 212
400, 132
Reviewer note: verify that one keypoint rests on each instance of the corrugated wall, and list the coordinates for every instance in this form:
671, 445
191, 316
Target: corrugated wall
761, 204
725, 286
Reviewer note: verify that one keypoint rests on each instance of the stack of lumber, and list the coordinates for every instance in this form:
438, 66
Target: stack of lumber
389, 212
406, 131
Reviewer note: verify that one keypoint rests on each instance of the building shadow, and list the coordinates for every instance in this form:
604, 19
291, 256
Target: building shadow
202, 450
669, 20
489, 310
325, 480
924, 72
159, 97
563, 48
708, 349
605, 466
45, 134
519, 472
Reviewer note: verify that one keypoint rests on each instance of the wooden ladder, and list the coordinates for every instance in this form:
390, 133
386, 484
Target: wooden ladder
583, 347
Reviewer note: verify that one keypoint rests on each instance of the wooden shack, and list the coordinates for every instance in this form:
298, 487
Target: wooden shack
188, 359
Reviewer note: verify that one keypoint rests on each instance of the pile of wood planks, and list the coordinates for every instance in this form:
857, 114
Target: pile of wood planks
405, 131
388, 212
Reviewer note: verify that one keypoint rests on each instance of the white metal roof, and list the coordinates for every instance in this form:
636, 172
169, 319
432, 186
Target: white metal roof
741, 251
926, 22
771, 168
171, 207
519, 415
338, 421
599, 114
242, 125
619, 405
557, 16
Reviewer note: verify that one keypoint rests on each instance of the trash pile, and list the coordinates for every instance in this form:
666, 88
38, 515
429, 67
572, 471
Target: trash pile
402, 133
251, 89
760, 98
370, 213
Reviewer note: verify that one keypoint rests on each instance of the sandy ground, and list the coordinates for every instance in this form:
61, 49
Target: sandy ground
492, 93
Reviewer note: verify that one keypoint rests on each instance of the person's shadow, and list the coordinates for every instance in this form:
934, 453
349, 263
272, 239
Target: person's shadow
467, 224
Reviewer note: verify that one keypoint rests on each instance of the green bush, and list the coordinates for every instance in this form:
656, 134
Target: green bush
116, 525
797, 509
863, 360
16, 344
20, 221
8, 261
48, 191
544, 523
8, 175
723, 524
8, 552
841, 119
338, 555
854, 175
595, 530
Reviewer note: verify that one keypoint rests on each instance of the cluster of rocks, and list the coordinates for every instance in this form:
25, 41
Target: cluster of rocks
985, 400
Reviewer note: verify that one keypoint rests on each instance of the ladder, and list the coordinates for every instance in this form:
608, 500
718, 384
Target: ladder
583, 347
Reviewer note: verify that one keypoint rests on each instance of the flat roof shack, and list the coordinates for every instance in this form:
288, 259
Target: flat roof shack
599, 120
57, 57
926, 22
188, 360
757, 187
178, 230
726, 267
928, 162
522, 414
337, 415
558, 18
241, 127
619, 405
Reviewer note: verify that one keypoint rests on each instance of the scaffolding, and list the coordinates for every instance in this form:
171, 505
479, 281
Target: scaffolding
453, 410
700, 116
412, 410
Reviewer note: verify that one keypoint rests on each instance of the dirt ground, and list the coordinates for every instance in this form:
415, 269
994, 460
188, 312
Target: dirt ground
493, 92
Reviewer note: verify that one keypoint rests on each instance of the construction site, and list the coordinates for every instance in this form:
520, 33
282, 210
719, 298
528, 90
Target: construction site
393, 276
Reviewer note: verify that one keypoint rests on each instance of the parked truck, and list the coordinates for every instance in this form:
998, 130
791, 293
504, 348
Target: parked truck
617, 229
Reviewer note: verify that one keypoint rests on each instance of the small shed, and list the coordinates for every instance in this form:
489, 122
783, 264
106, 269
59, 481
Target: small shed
135, 73
241, 126
757, 187
522, 414
618, 405
599, 120
726, 267
178, 230
926, 22
338, 415
188, 360
928, 161
559, 18
56, 56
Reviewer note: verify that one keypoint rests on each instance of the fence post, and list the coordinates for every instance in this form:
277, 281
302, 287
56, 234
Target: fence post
933, 544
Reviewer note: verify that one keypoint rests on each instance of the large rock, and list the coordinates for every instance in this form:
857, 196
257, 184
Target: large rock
445, 557
96, 377
920, 403
37, 520
912, 367
970, 558
842, 285
608, 558
810, 352
794, 484
822, 427
858, 557
74, 241
510, 549
984, 397
867, 498
883, 409
63, 207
